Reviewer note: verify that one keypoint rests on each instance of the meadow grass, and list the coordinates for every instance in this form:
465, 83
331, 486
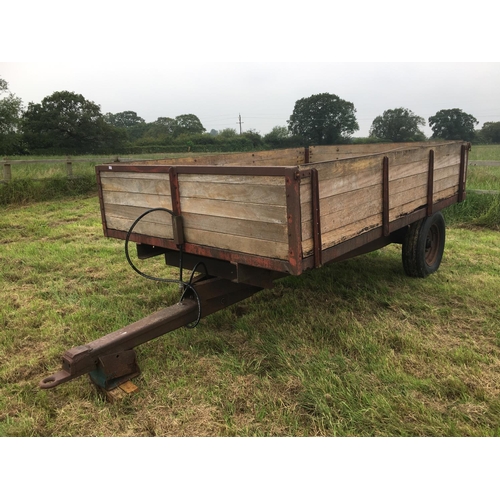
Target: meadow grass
351, 349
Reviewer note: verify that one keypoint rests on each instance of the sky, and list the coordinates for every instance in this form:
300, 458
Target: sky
220, 59
264, 93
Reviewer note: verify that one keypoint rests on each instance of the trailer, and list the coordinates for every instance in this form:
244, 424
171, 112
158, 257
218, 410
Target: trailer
238, 222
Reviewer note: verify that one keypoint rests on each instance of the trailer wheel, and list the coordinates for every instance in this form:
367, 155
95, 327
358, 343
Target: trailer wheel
423, 246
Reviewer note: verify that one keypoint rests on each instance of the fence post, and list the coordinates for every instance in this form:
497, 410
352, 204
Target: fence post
69, 167
7, 172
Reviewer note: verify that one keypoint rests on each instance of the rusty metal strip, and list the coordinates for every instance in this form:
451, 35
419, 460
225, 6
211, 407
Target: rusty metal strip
306, 155
174, 191
430, 184
256, 170
292, 183
101, 203
132, 168
316, 218
385, 195
204, 251
461, 180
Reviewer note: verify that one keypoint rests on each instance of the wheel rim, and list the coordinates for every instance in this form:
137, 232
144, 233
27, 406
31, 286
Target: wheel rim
432, 245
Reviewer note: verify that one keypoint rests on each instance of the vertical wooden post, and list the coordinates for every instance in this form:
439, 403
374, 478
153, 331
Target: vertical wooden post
69, 167
7, 172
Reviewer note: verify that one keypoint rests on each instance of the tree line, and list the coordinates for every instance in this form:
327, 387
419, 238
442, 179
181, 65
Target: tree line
67, 123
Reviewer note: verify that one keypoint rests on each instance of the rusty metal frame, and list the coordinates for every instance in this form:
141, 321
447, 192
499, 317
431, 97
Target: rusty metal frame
316, 218
291, 179
297, 263
385, 196
461, 180
430, 184
292, 188
109, 359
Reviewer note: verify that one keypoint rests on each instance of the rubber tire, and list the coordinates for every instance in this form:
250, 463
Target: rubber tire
423, 246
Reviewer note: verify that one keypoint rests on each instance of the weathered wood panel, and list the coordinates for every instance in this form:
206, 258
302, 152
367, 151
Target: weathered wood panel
343, 216
137, 199
245, 193
248, 228
321, 153
136, 185
349, 231
283, 157
236, 243
255, 180
143, 227
234, 210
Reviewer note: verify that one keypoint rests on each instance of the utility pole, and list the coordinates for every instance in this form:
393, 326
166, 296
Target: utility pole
240, 122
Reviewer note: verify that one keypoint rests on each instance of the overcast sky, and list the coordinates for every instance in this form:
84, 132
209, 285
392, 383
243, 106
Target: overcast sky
151, 57
264, 93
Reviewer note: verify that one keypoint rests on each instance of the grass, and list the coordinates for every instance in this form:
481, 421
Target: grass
352, 349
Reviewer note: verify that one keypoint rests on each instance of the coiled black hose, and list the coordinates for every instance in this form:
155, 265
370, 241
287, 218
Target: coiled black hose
187, 285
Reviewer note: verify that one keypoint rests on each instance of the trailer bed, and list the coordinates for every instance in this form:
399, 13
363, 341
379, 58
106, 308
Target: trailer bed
282, 210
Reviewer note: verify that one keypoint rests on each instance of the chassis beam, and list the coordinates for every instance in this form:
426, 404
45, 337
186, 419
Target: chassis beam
110, 360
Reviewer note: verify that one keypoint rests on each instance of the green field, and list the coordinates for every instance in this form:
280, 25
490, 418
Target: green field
353, 349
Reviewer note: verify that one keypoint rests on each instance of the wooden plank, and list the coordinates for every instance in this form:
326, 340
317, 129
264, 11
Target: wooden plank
409, 168
258, 180
345, 215
137, 199
451, 171
235, 243
351, 230
250, 229
321, 153
245, 193
146, 228
283, 157
406, 208
234, 210
352, 200
134, 175
132, 213
444, 184
136, 185
441, 195
343, 168
407, 183
346, 183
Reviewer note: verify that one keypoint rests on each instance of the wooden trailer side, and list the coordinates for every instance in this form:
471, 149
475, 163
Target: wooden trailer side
276, 157
239, 213
351, 191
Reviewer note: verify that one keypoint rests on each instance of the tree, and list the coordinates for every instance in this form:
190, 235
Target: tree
124, 119
10, 116
188, 124
162, 128
453, 124
280, 137
68, 123
323, 119
490, 133
398, 125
